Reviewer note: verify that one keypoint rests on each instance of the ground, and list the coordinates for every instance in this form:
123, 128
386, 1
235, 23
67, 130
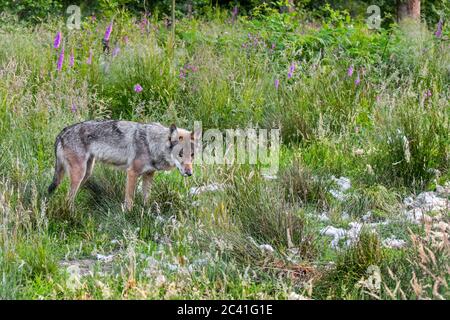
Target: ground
358, 208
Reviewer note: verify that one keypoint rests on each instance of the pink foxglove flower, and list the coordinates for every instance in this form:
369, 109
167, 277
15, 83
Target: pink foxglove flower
438, 32
60, 59
291, 70
89, 60
57, 41
108, 32
234, 14
116, 51
357, 80
350, 71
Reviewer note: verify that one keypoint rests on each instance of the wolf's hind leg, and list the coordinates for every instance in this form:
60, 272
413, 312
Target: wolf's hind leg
130, 188
89, 167
77, 172
147, 179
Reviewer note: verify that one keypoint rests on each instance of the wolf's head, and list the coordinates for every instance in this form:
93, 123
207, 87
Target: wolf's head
182, 149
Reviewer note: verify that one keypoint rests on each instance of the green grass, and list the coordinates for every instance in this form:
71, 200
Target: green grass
383, 134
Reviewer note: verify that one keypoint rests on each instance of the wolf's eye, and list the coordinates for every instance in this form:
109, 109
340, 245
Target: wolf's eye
192, 155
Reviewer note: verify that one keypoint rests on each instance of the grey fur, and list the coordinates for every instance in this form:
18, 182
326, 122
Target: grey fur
142, 148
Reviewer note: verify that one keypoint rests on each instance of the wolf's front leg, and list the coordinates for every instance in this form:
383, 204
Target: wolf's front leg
146, 183
131, 186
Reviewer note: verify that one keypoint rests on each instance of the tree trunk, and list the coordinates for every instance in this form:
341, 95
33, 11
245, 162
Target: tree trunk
408, 9
288, 8
291, 6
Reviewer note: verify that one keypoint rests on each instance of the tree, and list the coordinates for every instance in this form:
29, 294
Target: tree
291, 6
408, 9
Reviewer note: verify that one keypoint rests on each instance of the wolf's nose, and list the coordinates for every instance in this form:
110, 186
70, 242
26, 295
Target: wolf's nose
188, 172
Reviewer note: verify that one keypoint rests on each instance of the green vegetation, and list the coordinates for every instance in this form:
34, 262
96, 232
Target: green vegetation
385, 126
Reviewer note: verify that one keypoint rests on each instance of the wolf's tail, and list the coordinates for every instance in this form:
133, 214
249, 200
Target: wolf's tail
59, 170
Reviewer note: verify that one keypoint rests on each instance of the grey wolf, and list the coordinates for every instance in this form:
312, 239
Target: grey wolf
139, 149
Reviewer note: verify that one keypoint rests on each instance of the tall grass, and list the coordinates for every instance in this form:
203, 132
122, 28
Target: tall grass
223, 75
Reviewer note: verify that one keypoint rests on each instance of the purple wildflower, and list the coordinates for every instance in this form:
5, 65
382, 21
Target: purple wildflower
191, 68
93, 18
116, 51
350, 71
438, 32
108, 32
71, 60
57, 41
60, 59
277, 84
89, 60
186, 69
291, 70
143, 24
357, 80
125, 39
73, 108
138, 88
428, 93
234, 14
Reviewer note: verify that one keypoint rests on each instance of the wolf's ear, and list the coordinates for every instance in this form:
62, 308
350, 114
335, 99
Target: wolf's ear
173, 133
172, 128
195, 135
